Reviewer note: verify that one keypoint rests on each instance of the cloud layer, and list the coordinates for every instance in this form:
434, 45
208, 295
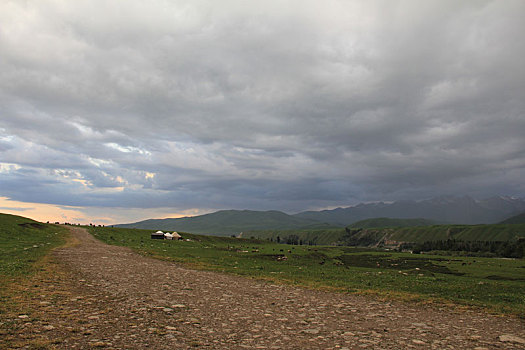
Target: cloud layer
266, 105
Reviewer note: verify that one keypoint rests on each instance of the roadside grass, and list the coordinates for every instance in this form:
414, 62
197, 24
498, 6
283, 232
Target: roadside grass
24, 263
23, 245
495, 284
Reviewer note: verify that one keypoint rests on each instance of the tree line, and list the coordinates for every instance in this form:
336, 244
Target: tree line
292, 240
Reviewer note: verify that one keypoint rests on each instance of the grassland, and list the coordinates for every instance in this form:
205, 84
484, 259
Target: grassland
23, 245
23, 242
495, 284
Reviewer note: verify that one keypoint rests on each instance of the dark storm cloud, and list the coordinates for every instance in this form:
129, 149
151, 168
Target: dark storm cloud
266, 106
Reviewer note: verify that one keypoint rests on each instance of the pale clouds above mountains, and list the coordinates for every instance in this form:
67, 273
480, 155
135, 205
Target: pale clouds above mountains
261, 105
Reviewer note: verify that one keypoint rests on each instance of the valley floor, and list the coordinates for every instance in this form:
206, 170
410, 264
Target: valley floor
96, 295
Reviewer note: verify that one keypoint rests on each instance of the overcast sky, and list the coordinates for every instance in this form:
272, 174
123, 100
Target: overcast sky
123, 110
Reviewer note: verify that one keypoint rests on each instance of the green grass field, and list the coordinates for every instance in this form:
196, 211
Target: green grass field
494, 284
23, 242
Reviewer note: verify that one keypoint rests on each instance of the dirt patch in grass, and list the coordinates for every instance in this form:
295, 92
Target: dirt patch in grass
503, 278
36, 225
378, 261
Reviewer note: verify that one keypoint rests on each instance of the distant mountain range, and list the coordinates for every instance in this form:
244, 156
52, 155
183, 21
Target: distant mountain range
446, 209
517, 219
227, 222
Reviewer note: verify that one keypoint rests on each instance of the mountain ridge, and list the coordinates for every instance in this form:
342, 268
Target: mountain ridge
516, 219
228, 222
444, 209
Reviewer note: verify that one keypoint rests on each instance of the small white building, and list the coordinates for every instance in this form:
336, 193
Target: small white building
176, 236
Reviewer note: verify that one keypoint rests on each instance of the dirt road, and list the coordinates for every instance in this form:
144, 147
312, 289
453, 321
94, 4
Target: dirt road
110, 297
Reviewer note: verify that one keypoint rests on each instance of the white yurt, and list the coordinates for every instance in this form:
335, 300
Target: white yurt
157, 235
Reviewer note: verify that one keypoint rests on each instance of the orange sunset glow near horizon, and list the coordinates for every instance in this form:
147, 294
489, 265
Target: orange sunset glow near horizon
55, 213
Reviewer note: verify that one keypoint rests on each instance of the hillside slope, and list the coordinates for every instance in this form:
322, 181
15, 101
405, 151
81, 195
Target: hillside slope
517, 219
393, 236
228, 222
389, 222
308, 237
23, 242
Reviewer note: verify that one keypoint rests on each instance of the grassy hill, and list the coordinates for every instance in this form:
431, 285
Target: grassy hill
463, 232
389, 222
22, 243
228, 222
392, 236
517, 219
395, 235
308, 236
